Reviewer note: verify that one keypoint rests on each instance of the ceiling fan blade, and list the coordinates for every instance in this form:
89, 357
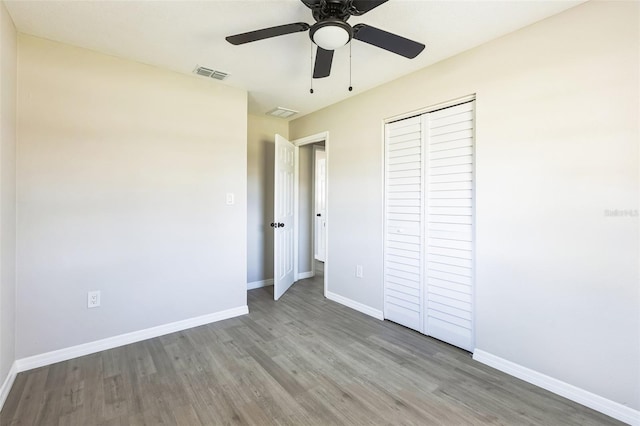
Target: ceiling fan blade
267, 33
311, 3
322, 68
360, 7
387, 41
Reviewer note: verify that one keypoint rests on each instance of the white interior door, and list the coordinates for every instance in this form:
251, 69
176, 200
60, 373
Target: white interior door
449, 221
404, 223
320, 204
283, 224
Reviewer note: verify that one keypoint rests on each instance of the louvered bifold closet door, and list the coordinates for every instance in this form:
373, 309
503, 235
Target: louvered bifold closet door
449, 222
403, 253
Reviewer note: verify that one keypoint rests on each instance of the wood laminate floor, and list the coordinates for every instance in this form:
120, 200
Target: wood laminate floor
303, 360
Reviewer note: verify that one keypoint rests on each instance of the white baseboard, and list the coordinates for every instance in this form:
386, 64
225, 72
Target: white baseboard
6, 385
581, 396
355, 305
52, 357
259, 284
305, 275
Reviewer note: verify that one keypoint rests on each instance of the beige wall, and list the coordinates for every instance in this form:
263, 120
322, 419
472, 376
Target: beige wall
260, 175
8, 73
557, 146
123, 170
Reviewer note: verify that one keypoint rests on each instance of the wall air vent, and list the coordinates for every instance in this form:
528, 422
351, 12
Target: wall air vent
282, 112
208, 72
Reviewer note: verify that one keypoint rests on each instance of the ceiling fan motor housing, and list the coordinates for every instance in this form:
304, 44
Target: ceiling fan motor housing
330, 9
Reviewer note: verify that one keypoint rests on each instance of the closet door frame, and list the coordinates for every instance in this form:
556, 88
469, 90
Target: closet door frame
425, 162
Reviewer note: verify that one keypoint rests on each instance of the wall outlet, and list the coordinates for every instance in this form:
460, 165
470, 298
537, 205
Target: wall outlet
93, 299
358, 271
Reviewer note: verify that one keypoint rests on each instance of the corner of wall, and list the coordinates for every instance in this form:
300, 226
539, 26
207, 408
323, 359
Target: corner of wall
8, 108
5, 388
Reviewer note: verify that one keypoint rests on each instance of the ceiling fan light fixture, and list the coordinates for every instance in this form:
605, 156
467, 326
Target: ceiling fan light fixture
331, 34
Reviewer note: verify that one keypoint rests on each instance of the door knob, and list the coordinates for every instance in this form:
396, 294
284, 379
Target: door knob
319, 215
280, 225
273, 225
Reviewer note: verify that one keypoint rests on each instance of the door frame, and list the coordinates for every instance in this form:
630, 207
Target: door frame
307, 140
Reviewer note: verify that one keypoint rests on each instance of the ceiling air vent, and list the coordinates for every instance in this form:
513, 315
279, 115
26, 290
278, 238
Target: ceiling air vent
282, 112
208, 72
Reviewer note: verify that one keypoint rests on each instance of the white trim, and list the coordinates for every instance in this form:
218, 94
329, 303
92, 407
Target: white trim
576, 394
296, 211
431, 108
377, 314
474, 220
59, 355
305, 275
327, 222
318, 137
383, 195
259, 284
7, 384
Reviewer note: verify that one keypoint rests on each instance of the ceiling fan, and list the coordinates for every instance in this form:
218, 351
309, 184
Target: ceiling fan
331, 31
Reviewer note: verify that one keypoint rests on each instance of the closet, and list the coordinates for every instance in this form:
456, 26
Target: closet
429, 223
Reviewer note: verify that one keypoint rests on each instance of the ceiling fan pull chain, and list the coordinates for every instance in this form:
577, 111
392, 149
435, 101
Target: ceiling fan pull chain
311, 74
350, 86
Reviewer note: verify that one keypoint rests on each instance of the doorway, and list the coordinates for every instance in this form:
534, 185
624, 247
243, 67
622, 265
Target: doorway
295, 252
311, 209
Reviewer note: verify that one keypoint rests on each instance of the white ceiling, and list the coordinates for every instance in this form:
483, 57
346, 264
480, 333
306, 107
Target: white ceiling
179, 34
